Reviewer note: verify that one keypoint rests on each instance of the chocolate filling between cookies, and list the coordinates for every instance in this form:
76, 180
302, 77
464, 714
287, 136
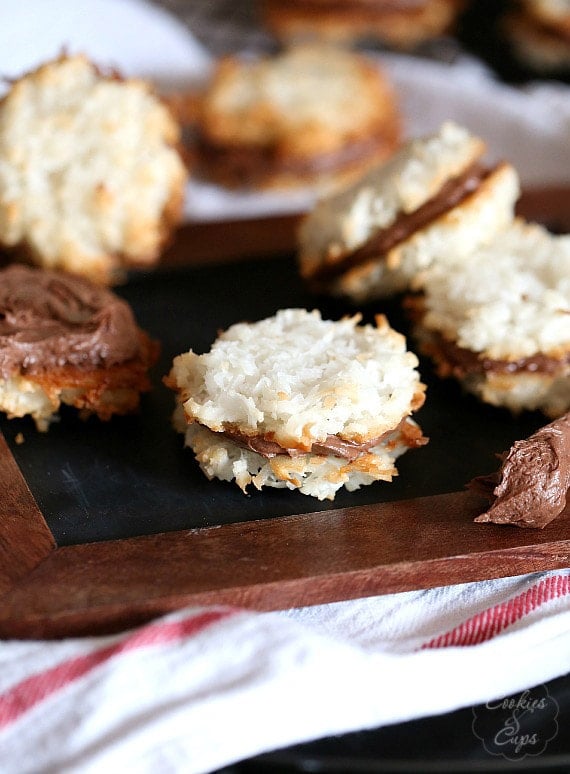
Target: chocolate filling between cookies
450, 195
463, 362
407, 432
243, 166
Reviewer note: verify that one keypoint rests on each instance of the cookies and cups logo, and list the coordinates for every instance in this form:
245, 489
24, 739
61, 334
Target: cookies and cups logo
520, 725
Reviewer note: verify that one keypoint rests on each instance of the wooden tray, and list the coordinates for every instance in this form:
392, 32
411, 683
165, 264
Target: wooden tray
134, 544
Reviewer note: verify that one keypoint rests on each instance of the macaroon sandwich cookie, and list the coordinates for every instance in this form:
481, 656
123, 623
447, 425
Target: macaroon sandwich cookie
66, 340
434, 201
300, 402
539, 34
400, 24
309, 116
91, 180
500, 322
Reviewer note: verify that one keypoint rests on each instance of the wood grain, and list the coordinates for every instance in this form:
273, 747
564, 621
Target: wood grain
205, 243
277, 563
25, 538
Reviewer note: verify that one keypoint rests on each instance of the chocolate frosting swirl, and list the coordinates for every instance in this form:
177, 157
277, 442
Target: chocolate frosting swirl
532, 485
50, 320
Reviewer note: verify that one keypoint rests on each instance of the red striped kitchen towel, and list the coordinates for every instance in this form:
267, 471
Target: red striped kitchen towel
202, 688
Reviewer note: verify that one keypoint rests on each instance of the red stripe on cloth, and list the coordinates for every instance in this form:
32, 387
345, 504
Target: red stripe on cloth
488, 623
26, 694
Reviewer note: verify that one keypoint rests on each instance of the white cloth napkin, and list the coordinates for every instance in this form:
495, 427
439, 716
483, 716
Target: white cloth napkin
203, 688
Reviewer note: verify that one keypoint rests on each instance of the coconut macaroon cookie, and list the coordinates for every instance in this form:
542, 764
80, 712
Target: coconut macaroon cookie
91, 180
433, 201
539, 34
66, 340
397, 23
311, 115
500, 322
300, 402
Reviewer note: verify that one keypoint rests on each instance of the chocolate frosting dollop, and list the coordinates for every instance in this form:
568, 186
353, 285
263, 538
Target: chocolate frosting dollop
531, 487
50, 320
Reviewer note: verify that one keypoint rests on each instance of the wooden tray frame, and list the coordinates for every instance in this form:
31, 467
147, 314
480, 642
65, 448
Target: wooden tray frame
48, 592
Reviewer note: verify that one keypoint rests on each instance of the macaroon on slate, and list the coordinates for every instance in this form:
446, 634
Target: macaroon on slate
91, 179
500, 322
300, 402
434, 201
64, 339
308, 116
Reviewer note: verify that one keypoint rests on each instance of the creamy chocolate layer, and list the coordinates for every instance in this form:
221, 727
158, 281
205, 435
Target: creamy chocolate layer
49, 320
409, 433
451, 194
531, 486
251, 165
462, 362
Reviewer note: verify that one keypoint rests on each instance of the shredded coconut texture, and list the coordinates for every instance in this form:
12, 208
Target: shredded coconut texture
343, 222
89, 174
300, 378
511, 300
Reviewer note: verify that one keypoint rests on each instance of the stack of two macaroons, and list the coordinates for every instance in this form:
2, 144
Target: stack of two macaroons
493, 303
